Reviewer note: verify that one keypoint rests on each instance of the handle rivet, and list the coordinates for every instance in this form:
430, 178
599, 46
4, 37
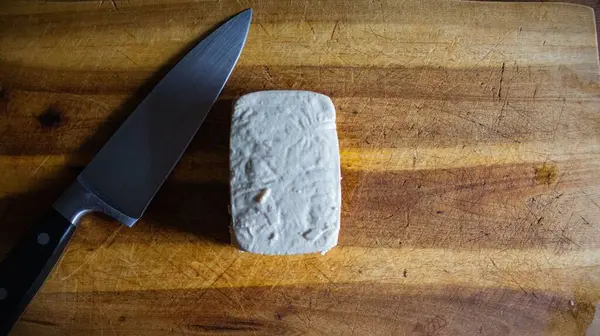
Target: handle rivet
43, 238
3, 294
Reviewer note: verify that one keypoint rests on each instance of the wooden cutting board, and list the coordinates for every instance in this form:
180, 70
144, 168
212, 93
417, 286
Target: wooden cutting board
470, 148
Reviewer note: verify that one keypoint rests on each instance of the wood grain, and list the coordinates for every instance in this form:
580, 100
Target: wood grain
470, 148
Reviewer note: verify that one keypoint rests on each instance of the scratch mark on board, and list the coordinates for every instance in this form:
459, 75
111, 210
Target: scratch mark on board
34, 173
585, 220
492, 49
263, 28
109, 240
312, 29
335, 26
125, 55
501, 79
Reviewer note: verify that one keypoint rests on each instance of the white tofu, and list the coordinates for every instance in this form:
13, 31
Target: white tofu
285, 173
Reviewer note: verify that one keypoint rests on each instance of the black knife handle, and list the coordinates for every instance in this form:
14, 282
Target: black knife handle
26, 266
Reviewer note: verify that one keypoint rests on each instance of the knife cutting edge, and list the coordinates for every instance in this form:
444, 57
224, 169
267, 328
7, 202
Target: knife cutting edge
124, 176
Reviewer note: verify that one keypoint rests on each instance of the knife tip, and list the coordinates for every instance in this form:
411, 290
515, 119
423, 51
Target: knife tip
246, 13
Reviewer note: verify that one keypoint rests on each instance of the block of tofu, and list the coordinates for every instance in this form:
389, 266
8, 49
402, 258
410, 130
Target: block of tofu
285, 173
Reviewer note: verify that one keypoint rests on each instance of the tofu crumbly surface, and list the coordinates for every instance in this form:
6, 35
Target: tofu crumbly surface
285, 173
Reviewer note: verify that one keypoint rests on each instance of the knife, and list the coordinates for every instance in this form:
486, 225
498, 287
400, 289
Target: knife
124, 176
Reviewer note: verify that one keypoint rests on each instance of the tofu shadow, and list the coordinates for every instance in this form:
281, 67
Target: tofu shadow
195, 199
198, 209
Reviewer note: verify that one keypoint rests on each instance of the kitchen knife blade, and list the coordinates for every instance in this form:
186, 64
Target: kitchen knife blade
126, 173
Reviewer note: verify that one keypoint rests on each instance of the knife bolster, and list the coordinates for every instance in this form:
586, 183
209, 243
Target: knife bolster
78, 200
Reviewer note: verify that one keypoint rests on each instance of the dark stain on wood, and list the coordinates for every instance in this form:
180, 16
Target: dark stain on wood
546, 174
227, 327
51, 118
39, 322
3, 99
